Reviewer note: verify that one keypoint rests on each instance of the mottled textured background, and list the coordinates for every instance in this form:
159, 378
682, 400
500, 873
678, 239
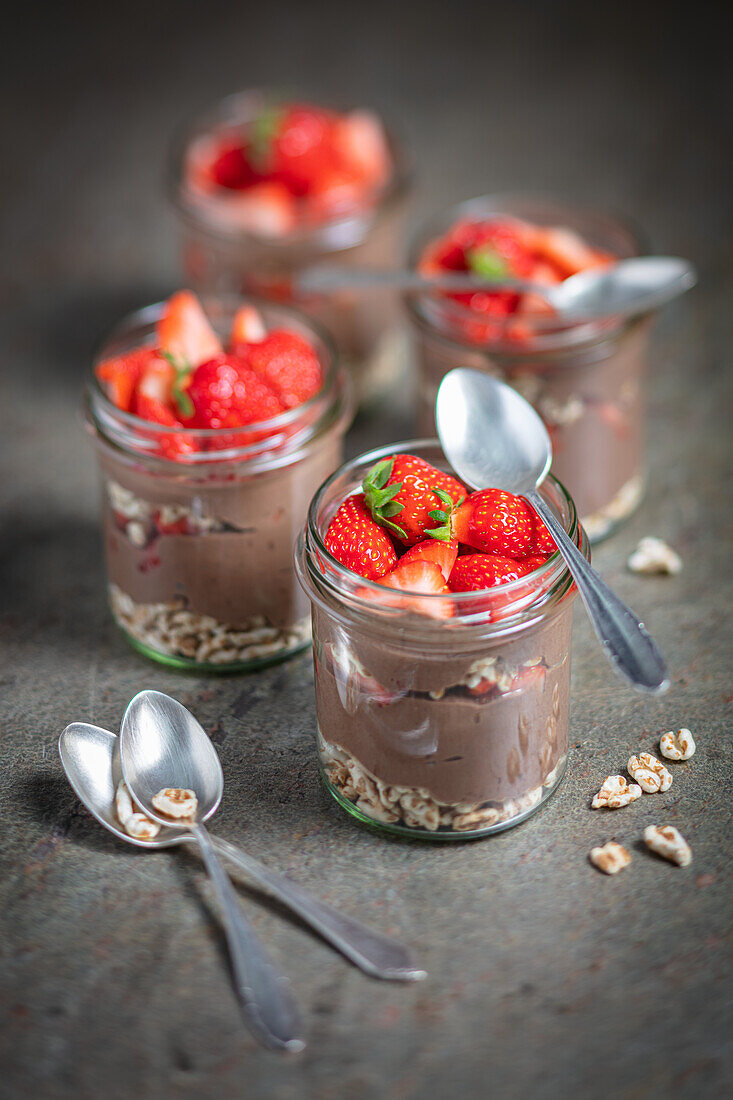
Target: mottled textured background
546, 978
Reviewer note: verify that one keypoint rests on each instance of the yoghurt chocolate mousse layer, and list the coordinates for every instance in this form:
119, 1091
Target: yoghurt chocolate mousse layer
442, 686
585, 380
200, 514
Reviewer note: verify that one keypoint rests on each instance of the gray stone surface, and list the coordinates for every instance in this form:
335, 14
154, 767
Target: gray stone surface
546, 978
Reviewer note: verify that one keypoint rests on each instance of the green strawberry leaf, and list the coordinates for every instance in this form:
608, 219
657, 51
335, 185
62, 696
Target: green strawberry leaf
263, 132
487, 262
182, 400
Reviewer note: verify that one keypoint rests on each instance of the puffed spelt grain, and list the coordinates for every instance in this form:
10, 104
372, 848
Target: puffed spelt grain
131, 818
677, 746
615, 792
175, 802
654, 556
667, 842
649, 773
611, 858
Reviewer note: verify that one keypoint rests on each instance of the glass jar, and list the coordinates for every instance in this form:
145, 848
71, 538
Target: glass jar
219, 256
446, 724
199, 549
586, 380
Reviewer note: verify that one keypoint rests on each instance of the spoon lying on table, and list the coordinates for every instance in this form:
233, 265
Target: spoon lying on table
164, 749
494, 439
91, 759
629, 286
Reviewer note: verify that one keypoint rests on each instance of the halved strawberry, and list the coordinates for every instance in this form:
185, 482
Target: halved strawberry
156, 382
120, 375
476, 572
170, 445
184, 332
443, 554
529, 677
358, 542
334, 190
409, 496
248, 327
567, 251
495, 522
267, 209
289, 364
300, 146
421, 578
359, 141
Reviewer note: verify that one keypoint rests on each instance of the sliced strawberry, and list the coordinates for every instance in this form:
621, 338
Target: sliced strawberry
120, 375
232, 168
334, 190
184, 332
267, 209
422, 578
443, 554
226, 393
567, 251
170, 445
289, 364
495, 522
247, 327
359, 141
531, 677
166, 527
409, 496
156, 382
358, 542
476, 572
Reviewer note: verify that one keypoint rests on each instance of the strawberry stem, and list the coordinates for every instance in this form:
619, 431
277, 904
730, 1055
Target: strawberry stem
182, 400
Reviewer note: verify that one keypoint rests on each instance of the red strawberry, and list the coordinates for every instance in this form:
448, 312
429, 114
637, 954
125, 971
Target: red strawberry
184, 331
543, 544
475, 572
537, 560
422, 577
333, 191
231, 168
358, 542
410, 496
266, 209
443, 554
359, 141
495, 522
567, 251
120, 376
166, 527
226, 393
171, 445
156, 381
300, 147
247, 327
526, 678
289, 364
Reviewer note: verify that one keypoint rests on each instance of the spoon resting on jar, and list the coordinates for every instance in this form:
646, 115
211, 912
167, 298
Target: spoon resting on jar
493, 438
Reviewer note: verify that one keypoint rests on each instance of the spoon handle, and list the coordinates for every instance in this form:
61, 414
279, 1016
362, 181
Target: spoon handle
265, 995
627, 645
334, 277
375, 954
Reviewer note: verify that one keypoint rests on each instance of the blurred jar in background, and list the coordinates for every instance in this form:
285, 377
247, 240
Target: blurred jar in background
263, 188
586, 380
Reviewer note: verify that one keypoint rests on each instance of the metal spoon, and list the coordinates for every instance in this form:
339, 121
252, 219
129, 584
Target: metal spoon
629, 286
493, 438
162, 745
91, 759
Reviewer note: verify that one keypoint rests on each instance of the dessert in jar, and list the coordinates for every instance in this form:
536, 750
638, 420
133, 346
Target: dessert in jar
264, 187
212, 429
442, 623
586, 380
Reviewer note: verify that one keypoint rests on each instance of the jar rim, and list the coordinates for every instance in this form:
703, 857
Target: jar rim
552, 580
283, 441
220, 114
546, 336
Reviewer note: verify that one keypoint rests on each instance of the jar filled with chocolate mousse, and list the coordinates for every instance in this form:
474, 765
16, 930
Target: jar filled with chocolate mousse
263, 188
199, 523
585, 380
439, 716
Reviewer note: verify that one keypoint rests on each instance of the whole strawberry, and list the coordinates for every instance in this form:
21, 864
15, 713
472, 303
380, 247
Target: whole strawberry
226, 393
412, 498
289, 364
358, 542
474, 572
495, 522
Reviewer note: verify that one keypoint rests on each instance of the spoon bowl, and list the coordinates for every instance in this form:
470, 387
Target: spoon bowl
165, 746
